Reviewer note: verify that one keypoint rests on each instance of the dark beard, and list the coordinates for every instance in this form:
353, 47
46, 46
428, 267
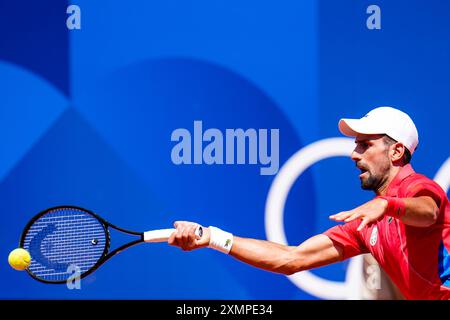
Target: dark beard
372, 182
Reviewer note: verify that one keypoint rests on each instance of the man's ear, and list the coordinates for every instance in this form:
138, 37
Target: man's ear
397, 151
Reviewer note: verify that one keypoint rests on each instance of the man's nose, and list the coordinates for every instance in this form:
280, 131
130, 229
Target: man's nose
355, 155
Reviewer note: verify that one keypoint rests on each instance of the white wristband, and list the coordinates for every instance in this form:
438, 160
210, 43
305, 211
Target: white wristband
220, 240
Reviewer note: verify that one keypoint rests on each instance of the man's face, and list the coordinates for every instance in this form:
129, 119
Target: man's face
371, 156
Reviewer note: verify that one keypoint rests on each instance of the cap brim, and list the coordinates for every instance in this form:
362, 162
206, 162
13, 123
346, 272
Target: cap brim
353, 127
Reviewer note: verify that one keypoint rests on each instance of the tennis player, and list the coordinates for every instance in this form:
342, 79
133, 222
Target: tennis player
406, 226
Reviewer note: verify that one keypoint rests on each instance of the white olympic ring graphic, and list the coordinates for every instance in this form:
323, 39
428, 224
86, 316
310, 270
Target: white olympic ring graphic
274, 211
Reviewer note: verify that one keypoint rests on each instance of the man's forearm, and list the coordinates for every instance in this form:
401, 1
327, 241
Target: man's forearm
314, 252
263, 254
420, 211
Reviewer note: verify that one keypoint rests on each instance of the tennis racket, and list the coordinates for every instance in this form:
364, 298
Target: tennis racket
62, 238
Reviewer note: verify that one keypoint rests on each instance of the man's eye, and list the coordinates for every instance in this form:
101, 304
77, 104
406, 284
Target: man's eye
364, 144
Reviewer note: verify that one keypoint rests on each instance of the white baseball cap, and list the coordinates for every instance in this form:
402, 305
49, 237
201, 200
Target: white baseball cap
384, 120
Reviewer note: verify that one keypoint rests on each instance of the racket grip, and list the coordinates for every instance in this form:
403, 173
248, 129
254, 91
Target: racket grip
162, 235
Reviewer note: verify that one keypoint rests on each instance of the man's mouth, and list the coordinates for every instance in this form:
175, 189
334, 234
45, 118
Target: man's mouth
363, 171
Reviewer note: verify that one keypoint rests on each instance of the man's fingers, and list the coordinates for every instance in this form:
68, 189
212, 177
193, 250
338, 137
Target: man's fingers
191, 237
190, 240
185, 239
184, 236
341, 216
179, 236
181, 224
364, 222
171, 239
353, 217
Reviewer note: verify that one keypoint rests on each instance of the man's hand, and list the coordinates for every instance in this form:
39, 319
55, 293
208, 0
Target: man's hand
368, 212
185, 237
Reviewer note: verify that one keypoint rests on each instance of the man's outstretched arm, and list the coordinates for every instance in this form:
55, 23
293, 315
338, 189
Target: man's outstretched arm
314, 252
317, 251
418, 212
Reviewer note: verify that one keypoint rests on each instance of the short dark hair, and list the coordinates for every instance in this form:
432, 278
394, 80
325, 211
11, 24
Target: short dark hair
406, 156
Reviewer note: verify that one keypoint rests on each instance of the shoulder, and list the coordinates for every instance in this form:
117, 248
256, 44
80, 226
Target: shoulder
418, 181
418, 184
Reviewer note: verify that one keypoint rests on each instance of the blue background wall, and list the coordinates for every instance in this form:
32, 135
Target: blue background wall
86, 117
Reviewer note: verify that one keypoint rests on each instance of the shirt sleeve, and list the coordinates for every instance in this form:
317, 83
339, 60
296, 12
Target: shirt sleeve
346, 237
426, 188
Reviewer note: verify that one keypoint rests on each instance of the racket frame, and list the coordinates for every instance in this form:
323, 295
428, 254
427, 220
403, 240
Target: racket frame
106, 255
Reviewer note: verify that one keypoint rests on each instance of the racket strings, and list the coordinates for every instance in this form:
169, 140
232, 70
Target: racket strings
64, 240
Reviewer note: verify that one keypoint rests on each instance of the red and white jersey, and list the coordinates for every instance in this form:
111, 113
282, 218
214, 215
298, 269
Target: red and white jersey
417, 259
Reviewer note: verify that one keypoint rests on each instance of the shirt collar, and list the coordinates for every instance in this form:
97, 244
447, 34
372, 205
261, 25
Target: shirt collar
393, 187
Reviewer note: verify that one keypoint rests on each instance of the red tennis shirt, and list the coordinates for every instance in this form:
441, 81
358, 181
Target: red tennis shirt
416, 259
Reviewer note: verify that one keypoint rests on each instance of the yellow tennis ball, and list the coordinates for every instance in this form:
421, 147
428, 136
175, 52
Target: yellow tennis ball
19, 259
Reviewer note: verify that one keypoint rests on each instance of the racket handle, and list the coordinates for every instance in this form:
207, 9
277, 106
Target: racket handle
162, 235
